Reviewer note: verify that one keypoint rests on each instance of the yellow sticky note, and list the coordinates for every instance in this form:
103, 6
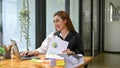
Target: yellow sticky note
60, 63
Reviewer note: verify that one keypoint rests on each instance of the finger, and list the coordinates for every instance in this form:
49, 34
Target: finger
35, 52
30, 53
24, 53
66, 50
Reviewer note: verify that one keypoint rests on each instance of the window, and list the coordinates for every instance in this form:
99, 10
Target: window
10, 13
0, 22
52, 7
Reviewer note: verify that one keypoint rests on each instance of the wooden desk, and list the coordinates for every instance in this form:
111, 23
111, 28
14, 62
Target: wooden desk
17, 63
87, 59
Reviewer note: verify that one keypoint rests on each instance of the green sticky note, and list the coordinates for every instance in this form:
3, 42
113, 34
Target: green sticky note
33, 60
36, 60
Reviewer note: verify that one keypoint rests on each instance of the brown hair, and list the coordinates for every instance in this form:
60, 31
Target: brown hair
64, 16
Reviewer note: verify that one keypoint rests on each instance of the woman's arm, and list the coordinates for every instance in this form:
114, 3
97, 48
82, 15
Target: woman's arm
44, 47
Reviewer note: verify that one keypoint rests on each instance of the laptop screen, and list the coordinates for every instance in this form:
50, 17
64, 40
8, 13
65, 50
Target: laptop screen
15, 48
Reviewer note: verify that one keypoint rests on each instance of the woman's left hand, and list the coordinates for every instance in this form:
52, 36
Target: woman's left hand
68, 51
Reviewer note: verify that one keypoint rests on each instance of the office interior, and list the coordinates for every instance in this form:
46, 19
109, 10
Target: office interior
97, 21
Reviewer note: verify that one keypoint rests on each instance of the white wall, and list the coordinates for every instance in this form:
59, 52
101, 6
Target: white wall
11, 25
112, 29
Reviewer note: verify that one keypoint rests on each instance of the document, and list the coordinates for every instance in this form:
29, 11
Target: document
56, 46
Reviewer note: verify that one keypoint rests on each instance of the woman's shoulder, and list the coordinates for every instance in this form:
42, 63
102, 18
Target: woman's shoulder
76, 34
51, 34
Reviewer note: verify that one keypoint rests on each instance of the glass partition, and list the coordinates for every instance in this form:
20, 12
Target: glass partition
86, 26
74, 14
51, 8
9, 18
1, 23
95, 27
11, 25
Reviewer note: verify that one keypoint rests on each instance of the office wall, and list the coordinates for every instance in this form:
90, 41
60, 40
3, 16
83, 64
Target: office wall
11, 25
112, 32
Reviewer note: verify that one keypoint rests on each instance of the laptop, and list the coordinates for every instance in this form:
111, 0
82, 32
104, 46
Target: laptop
17, 53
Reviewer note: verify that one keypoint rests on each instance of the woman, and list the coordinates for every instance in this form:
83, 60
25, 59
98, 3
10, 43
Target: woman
65, 31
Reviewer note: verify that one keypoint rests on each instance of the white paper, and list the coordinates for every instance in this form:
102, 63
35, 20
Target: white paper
74, 61
56, 46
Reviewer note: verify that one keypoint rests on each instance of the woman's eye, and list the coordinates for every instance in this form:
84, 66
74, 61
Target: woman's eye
56, 21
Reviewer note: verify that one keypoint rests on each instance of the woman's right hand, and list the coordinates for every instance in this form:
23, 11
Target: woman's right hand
25, 53
30, 53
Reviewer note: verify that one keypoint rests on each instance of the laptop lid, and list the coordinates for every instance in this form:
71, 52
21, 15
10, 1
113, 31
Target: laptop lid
15, 48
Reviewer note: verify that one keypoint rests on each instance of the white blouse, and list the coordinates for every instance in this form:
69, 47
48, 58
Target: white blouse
44, 46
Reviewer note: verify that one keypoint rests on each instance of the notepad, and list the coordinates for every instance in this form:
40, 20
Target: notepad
60, 63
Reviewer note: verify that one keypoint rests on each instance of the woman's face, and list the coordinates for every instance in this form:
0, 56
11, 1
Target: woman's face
59, 23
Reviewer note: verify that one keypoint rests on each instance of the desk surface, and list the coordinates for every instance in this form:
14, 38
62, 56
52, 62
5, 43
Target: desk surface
17, 63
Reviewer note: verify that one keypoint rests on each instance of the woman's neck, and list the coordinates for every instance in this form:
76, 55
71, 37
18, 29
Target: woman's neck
64, 33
